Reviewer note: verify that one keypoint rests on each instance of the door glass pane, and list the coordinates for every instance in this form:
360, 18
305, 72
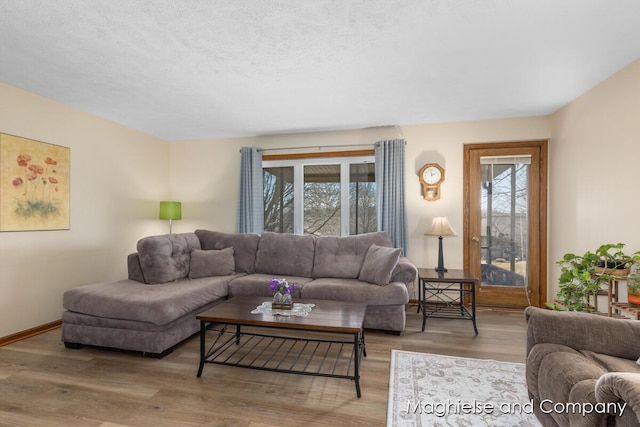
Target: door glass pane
278, 199
322, 200
362, 198
504, 220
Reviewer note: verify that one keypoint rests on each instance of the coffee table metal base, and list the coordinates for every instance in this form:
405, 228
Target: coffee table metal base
325, 357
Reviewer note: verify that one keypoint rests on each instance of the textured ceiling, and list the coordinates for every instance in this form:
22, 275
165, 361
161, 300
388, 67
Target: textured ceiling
197, 69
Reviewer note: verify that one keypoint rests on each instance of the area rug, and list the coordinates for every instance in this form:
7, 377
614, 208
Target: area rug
434, 390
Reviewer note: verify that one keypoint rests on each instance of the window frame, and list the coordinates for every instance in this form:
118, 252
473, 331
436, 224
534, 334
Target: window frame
298, 163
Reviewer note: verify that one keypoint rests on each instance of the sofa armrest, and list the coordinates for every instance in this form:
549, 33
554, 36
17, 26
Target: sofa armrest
583, 331
134, 268
404, 271
616, 386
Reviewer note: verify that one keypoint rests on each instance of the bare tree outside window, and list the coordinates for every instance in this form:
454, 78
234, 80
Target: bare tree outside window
362, 198
278, 199
504, 218
322, 209
322, 200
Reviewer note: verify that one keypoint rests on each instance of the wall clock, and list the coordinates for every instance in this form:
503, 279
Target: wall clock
431, 176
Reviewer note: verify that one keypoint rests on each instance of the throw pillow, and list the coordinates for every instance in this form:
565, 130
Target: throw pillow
212, 263
378, 264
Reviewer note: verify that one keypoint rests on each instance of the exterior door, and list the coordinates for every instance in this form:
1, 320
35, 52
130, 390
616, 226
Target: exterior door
505, 222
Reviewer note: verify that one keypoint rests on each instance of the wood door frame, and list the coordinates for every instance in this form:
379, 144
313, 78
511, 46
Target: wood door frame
543, 185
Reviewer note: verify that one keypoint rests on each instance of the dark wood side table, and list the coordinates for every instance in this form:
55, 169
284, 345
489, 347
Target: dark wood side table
451, 295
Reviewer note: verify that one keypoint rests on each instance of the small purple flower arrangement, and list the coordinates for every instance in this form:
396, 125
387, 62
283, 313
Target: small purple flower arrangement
281, 286
281, 289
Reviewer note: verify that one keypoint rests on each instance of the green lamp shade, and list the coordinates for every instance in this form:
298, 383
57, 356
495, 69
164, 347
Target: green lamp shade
170, 210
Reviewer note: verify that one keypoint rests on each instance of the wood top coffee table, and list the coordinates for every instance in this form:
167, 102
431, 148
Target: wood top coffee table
319, 352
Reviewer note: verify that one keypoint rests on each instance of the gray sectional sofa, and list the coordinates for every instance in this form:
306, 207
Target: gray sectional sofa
174, 277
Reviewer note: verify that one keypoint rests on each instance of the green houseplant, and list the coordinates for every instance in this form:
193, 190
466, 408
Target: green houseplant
617, 264
578, 281
613, 261
582, 276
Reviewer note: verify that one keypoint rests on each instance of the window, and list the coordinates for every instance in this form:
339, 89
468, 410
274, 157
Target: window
504, 204
320, 196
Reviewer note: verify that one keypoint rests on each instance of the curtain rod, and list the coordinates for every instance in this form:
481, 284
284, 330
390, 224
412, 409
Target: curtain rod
320, 147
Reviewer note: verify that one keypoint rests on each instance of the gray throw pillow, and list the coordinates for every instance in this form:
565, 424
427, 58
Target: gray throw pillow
211, 263
379, 264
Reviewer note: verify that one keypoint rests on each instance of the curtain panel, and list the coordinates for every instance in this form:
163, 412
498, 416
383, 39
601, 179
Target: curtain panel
390, 191
250, 200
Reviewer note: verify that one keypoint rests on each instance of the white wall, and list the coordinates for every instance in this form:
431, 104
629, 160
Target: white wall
117, 178
594, 176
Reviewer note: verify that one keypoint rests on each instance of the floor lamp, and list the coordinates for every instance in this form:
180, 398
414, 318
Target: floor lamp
170, 211
440, 227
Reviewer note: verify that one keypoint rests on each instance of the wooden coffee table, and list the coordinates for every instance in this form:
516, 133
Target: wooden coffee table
320, 352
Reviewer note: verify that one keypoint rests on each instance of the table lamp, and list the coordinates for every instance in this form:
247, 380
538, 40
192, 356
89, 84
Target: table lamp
170, 211
440, 227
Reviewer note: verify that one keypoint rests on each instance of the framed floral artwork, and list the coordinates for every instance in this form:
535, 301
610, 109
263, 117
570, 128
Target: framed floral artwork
35, 185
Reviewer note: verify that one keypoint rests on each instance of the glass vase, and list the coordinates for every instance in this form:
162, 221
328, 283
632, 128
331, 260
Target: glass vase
282, 301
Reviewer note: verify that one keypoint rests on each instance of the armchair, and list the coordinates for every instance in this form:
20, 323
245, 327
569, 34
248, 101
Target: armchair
581, 368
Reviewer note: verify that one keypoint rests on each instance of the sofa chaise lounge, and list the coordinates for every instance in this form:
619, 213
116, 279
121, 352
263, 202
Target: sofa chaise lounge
174, 277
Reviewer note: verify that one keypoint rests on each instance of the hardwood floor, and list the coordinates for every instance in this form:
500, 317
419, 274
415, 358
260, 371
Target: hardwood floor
44, 384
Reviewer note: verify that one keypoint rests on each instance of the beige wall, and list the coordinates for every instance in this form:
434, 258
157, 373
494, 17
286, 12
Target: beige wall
117, 178
206, 173
594, 167
119, 175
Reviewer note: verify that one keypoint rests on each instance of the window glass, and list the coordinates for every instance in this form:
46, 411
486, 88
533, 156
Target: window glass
362, 198
322, 200
504, 201
320, 196
278, 199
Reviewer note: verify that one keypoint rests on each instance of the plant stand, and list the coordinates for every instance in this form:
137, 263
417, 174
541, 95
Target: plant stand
619, 307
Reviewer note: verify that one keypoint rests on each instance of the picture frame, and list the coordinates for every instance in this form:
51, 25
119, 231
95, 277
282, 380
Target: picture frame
35, 185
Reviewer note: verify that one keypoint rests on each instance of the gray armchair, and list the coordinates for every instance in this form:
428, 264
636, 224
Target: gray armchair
581, 368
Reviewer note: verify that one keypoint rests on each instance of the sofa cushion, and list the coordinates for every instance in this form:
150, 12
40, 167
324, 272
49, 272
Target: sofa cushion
258, 285
245, 246
284, 254
211, 263
354, 290
612, 363
166, 258
343, 256
379, 264
159, 304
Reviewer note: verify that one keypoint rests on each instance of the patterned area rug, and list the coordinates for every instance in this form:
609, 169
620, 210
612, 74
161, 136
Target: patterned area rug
433, 390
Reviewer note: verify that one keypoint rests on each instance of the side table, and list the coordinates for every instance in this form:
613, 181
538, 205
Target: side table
443, 295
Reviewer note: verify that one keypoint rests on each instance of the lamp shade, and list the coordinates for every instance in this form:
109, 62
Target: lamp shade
170, 210
440, 227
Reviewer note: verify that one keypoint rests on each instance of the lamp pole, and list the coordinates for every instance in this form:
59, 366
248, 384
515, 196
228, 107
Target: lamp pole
440, 268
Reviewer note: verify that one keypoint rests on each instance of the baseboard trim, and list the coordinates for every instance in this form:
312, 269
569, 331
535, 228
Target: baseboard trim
19, 336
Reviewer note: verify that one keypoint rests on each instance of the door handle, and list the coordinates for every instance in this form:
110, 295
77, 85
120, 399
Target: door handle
475, 239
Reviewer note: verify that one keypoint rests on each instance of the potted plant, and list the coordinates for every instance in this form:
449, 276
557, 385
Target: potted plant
633, 289
582, 276
613, 261
578, 281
